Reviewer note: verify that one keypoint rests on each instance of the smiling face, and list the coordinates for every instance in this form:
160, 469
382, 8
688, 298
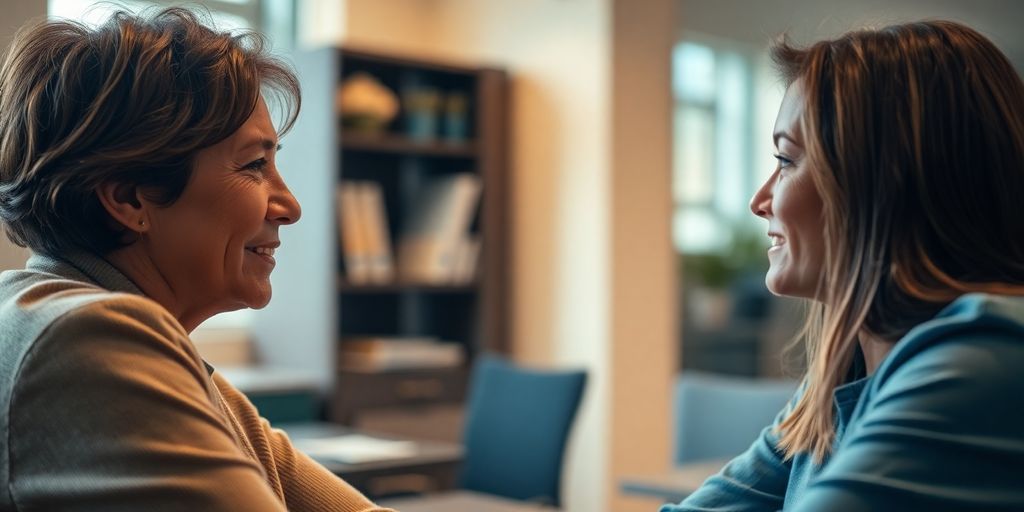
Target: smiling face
790, 203
214, 246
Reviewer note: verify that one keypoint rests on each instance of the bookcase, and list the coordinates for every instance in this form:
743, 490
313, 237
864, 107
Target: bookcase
316, 305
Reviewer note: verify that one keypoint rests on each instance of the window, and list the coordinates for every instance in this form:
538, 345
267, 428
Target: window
276, 18
713, 173
726, 99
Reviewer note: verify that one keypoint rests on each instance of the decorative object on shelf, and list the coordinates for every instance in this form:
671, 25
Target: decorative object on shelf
456, 117
421, 105
365, 104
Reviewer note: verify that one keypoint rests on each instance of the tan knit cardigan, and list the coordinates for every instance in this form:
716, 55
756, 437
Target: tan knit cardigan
106, 405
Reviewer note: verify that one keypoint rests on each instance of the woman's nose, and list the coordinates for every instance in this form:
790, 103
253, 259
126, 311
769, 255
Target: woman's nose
761, 203
284, 208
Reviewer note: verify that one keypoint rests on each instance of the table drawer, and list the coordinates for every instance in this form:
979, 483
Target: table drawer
358, 390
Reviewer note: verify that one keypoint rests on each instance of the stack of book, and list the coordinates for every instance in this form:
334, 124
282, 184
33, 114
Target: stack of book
435, 246
384, 353
365, 238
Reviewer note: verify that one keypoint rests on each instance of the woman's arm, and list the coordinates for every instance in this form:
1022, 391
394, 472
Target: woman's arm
755, 481
944, 431
307, 485
310, 487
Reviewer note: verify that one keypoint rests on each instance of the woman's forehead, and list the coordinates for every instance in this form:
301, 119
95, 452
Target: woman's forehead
787, 124
256, 131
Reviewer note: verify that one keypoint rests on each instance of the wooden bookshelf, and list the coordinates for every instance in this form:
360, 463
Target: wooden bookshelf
315, 305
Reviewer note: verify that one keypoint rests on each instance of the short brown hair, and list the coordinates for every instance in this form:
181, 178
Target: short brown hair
131, 101
915, 138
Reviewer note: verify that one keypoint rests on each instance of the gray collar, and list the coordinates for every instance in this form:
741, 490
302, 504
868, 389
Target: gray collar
84, 266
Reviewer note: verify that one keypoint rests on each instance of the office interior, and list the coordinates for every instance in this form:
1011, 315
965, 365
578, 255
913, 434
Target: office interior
626, 139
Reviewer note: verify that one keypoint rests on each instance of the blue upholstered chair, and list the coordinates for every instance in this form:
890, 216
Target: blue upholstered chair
517, 424
718, 416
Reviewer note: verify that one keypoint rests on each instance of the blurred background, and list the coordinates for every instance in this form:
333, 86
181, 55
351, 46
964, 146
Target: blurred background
593, 159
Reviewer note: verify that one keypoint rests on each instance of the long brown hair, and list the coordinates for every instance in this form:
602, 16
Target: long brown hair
131, 101
915, 135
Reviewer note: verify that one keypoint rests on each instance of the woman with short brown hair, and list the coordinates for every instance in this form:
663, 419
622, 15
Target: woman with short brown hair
137, 162
895, 210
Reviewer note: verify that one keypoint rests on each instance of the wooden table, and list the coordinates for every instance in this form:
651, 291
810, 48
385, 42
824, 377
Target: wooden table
675, 485
433, 468
462, 501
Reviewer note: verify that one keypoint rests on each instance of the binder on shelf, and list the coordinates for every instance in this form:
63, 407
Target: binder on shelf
353, 235
378, 245
467, 255
439, 220
375, 353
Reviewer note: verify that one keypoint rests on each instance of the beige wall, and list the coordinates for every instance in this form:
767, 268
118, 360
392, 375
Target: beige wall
644, 284
16, 14
591, 267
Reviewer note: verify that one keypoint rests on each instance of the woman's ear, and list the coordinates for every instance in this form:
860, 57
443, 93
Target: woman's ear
125, 204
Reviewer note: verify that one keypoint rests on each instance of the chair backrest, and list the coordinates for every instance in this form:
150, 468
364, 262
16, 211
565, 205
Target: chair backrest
720, 416
517, 424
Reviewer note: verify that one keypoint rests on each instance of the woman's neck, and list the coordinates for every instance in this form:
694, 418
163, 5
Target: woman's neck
874, 350
140, 269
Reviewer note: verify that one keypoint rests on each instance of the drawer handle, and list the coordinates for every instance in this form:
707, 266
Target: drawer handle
401, 484
419, 389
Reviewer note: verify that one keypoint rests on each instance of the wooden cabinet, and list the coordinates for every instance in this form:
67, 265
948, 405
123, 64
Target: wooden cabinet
316, 307
359, 391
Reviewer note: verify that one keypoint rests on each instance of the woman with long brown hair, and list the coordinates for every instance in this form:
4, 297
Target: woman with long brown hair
895, 210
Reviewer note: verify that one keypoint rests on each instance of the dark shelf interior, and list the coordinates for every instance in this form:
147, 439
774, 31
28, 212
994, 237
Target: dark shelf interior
397, 143
378, 288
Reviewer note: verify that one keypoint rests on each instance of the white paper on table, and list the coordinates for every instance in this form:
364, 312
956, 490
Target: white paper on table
355, 448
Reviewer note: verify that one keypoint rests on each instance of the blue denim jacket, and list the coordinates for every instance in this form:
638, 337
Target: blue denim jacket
939, 426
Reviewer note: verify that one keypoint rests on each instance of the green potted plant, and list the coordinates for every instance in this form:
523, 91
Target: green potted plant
710, 279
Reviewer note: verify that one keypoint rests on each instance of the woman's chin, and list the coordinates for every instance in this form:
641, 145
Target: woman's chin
778, 285
260, 301
771, 282
257, 296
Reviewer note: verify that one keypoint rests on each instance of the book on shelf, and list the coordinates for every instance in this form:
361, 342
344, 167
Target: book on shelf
377, 353
366, 241
378, 245
436, 227
353, 233
467, 253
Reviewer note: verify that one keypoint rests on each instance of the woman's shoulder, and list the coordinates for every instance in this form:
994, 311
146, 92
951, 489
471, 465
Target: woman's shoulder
56, 320
976, 333
31, 302
939, 417
965, 364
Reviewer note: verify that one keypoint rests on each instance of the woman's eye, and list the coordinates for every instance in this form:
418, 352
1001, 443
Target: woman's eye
783, 161
256, 165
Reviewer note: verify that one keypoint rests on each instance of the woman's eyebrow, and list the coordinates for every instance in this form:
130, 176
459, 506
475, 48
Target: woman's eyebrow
266, 144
